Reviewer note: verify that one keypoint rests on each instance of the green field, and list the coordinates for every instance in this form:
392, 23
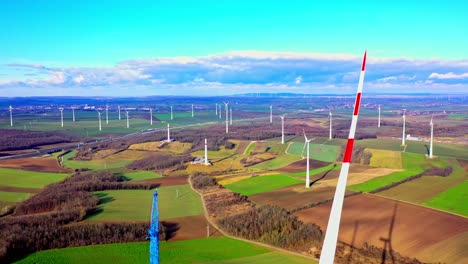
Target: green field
28, 179
453, 200
278, 162
260, 184
135, 205
140, 175
328, 153
13, 197
95, 164
207, 250
458, 116
250, 148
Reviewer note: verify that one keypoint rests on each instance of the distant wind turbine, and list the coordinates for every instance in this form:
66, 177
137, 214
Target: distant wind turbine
282, 128
216, 109
192, 111
271, 114
378, 124
220, 112
431, 124
172, 116
168, 132
11, 115
151, 116
227, 116
307, 142
61, 116
128, 122
206, 152
230, 113
73, 113
107, 114
331, 237
99, 119
330, 116
404, 126
119, 113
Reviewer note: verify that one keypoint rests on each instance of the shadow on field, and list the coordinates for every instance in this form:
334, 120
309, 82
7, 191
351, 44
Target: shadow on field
427, 149
388, 241
228, 157
323, 176
167, 230
356, 226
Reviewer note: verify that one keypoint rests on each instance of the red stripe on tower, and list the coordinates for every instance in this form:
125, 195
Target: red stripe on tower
349, 150
364, 62
357, 103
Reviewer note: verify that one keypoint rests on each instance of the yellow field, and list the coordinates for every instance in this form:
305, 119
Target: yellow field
385, 159
358, 177
174, 147
103, 153
233, 180
226, 165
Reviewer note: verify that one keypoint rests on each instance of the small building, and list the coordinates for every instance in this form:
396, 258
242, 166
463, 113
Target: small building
199, 160
409, 137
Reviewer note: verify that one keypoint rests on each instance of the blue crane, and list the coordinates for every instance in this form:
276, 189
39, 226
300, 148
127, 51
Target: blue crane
153, 232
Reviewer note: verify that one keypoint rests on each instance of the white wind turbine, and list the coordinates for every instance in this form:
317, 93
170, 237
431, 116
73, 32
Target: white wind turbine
330, 116
282, 128
307, 142
216, 109
107, 114
99, 119
271, 114
227, 116
119, 112
220, 112
172, 116
331, 237
206, 152
192, 111
11, 115
73, 113
378, 124
404, 126
230, 113
128, 123
151, 116
431, 124
168, 132
61, 115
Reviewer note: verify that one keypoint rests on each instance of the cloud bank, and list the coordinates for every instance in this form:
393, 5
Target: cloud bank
241, 72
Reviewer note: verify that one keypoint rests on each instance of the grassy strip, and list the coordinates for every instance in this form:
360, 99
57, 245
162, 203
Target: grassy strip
260, 184
28, 179
452, 200
277, 163
13, 197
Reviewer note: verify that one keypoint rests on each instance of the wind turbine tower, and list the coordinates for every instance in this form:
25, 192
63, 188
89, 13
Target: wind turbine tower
227, 116
11, 115
99, 118
378, 124
61, 116
107, 114
271, 114
119, 112
220, 112
151, 116
168, 133
432, 137
172, 116
128, 123
216, 109
307, 143
192, 111
230, 113
73, 113
331, 237
206, 152
404, 124
330, 116
282, 128
153, 232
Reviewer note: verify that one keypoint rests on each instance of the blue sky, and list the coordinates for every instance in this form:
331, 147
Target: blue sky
224, 47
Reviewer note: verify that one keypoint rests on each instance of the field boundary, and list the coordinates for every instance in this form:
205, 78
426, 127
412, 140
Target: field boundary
205, 211
421, 205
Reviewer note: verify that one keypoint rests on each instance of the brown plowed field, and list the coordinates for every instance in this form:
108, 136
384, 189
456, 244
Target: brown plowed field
18, 189
46, 164
192, 227
295, 196
259, 147
168, 181
300, 165
418, 231
242, 146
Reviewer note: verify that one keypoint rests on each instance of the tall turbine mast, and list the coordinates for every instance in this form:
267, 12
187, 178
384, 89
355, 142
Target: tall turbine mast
172, 116
271, 114
307, 142
168, 132
329, 244
220, 112
119, 112
216, 109
107, 114
378, 124
99, 118
206, 152
227, 116
282, 128
11, 115
330, 116
404, 126
432, 137
192, 111
230, 113
151, 116
61, 116
128, 123
73, 113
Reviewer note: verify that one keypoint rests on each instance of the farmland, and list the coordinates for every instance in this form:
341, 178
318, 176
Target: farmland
175, 201
28, 179
328, 153
452, 200
259, 184
117, 160
280, 161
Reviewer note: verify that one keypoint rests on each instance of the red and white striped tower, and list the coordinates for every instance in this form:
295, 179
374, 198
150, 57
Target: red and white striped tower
206, 152
331, 237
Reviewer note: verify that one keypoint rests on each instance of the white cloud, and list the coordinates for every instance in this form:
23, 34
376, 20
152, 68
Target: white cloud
78, 79
298, 80
449, 75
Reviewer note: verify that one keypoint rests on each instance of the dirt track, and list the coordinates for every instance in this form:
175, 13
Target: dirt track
47, 164
418, 231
